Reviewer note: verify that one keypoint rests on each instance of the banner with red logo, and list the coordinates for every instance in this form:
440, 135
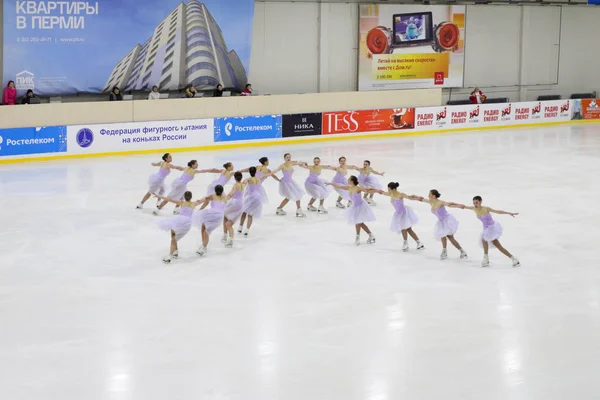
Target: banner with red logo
590, 108
368, 121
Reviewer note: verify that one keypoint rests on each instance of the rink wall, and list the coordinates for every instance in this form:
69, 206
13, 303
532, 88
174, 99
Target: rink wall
89, 140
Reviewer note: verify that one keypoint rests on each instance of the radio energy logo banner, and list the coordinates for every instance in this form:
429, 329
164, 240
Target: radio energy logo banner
411, 46
58, 47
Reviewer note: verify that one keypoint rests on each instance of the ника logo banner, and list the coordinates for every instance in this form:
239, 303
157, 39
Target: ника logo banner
247, 128
22, 141
411, 46
60, 47
301, 125
110, 138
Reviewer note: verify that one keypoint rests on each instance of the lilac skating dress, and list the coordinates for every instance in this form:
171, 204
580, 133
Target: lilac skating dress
288, 188
492, 230
367, 180
315, 185
156, 182
340, 179
446, 224
181, 223
360, 211
235, 205
221, 180
404, 217
263, 193
211, 217
253, 202
179, 185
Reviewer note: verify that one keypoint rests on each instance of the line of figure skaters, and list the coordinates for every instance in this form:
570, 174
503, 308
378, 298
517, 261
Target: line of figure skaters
244, 203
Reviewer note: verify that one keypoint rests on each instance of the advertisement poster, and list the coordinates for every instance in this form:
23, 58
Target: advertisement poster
368, 121
411, 46
301, 125
23, 141
134, 136
590, 109
66, 47
247, 128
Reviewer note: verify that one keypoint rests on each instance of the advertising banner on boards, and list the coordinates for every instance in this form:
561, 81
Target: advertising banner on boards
25, 141
301, 125
247, 128
411, 46
65, 47
368, 120
590, 108
135, 136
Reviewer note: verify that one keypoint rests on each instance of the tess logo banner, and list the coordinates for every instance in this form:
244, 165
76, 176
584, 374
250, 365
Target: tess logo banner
58, 47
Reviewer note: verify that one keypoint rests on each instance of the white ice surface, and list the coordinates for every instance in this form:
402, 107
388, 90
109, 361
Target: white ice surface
296, 311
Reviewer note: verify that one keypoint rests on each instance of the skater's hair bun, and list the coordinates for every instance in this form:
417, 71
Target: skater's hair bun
393, 185
252, 171
227, 165
354, 180
263, 160
478, 198
368, 162
218, 190
286, 154
187, 196
165, 156
316, 158
435, 193
192, 163
340, 159
238, 176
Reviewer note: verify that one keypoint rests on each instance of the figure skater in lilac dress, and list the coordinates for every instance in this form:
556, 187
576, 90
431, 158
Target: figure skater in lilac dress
446, 226
288, 187
179, 186
178, 225
404, 217
360, 212
262, 171
208, 219
225, 176
233, 209
156, 182
315, 185
369, 181
253, 200
492, 230
340, 179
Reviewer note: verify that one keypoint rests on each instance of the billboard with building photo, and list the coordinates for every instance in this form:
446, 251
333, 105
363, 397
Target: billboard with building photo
66, 47
411, 46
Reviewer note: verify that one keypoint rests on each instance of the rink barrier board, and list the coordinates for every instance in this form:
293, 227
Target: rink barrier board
278, 142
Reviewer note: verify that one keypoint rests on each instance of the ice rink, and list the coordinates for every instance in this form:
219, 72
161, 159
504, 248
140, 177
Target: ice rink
296, 311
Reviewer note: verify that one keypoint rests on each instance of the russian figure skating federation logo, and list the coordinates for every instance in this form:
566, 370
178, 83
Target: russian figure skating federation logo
85, 137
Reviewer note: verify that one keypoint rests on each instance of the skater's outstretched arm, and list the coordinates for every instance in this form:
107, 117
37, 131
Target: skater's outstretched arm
177, 167
178, 202
377, 173
243, 171
329, 167
156, 164
502, 212
205, 202
378, 191
209, 171
335, 185
461, 206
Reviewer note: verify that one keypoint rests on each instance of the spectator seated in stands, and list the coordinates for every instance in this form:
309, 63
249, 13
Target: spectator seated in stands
477, 96
190, 91
30, 98
115, 95
218, 91
9, 97
154, 94
247, 91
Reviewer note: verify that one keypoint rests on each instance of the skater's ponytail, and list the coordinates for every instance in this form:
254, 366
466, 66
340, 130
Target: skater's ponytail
435, 193
263, 160
187, 196
354, 180
218, 190
165, 156
238, 176
252, 171
192, 163
393, 185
